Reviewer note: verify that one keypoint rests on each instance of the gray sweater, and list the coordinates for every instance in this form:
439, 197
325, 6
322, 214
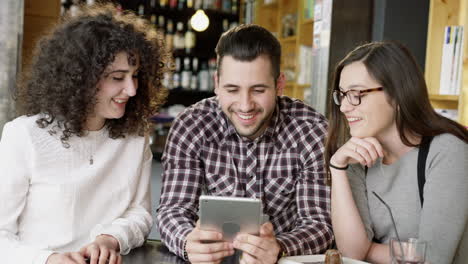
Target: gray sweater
442, 221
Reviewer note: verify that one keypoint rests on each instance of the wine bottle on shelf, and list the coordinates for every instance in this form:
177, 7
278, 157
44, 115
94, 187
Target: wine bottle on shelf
161, 22
189, 3
163, 3
153, 19
226, 6
217, 4
234, 7
233, 24
186, 74
179, 38
141, 9
211, 73
198, 4
204, 77
74, 10
119, 9
168, 80
225, 25
170, 35
173, 4
208, 4
152, 4
190, 39
181, 4
176, 76
194, 78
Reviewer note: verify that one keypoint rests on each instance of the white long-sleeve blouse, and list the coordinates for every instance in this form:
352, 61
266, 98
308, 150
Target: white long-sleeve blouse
57, 199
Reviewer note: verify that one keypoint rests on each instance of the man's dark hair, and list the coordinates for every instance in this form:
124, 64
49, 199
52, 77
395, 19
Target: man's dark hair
61, 83
246, 43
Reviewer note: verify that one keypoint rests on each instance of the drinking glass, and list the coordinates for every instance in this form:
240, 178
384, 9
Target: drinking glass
410, 251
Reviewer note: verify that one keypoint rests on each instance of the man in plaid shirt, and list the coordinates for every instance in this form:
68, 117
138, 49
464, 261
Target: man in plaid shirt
248, 141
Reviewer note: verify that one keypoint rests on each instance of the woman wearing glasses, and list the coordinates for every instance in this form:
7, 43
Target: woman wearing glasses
380, 117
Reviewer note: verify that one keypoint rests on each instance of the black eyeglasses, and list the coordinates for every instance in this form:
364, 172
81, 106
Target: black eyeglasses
353, 96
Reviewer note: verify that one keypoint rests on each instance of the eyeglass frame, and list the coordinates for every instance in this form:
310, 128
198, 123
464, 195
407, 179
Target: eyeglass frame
337, 93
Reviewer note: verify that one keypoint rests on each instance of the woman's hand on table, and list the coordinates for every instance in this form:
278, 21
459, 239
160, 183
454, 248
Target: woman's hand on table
66, 258
103, 250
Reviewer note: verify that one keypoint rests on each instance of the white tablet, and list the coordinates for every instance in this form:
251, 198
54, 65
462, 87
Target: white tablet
230, 215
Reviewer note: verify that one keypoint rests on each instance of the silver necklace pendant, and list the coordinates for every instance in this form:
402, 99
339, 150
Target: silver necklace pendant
91, 161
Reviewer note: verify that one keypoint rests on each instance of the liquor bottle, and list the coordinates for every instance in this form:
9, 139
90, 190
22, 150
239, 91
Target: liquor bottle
90, 2
234, 7
225, 25
211, 73
74, 10
161, 22
181, 4
153, 19
186, 74
176, 76
226, 6
217, 4
233, 24
163, 3
198, 4
208, 4
152, 4
173, 4
141, 9
204, 77
168, 80
194, 78
189, 3
119, 9
179, 38
170, 35
190, 39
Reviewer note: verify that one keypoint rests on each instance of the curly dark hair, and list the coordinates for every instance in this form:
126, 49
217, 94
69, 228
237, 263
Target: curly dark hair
68, 62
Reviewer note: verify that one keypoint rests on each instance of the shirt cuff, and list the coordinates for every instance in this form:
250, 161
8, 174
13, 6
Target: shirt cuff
283, 246
114, 232
182, 242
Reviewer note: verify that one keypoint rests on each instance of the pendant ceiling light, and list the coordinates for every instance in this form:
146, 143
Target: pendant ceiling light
200, 21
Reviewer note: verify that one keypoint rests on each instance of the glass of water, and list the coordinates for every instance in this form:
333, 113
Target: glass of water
410, 251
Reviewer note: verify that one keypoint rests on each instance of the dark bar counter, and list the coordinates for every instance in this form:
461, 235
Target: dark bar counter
151, 252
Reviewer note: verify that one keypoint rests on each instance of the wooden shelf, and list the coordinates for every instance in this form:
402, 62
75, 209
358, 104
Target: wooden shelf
271, 16
270, 5
308, 21
444, 97
441, 14
288, 39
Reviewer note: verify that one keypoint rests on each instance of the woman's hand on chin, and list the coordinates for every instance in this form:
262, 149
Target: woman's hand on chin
365, 151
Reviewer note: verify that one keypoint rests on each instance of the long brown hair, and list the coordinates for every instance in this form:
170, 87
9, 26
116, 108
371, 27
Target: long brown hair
394, 67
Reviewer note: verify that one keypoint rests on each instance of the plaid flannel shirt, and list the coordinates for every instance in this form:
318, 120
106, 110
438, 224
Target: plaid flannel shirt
284, 168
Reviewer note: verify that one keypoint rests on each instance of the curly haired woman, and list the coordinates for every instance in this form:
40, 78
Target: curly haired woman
76, 165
